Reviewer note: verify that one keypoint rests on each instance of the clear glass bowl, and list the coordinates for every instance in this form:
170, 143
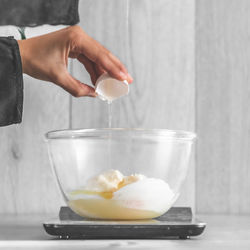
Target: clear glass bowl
156, 162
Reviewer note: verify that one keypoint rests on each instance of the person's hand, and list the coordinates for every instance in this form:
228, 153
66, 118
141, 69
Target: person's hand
46, 58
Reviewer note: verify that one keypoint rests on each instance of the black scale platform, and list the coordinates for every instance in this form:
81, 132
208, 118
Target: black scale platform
178, 222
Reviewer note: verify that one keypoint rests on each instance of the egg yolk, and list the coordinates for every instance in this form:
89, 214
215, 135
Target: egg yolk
105, 195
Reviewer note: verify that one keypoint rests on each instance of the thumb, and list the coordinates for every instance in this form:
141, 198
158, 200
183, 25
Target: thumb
74, 86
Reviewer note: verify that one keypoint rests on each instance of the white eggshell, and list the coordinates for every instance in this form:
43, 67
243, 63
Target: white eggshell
109, 89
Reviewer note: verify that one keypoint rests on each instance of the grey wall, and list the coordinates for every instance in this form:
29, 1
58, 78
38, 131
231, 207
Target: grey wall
223, 99
26, 181
158, 49
189, 60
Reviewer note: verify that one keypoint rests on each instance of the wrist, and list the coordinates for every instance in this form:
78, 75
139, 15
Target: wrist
22, 54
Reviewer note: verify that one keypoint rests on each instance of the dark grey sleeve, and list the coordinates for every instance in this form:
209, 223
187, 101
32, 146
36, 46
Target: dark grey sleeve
11, 82
24, 13
32, 13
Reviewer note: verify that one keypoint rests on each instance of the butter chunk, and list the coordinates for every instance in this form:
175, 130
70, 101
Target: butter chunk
105, 182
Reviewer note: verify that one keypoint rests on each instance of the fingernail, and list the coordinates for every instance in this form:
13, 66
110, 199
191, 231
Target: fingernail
92, 94
123, 75
130, 78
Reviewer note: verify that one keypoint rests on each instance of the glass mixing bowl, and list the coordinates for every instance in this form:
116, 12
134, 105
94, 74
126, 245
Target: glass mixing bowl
120, 173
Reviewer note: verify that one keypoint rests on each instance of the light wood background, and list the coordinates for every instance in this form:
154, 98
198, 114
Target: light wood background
223, 99
190, 64
157, 47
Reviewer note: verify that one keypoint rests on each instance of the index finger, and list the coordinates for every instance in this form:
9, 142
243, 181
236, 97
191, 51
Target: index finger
113, 66
97, 53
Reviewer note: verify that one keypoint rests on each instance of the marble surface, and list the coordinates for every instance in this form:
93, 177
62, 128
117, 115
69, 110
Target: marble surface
222, 232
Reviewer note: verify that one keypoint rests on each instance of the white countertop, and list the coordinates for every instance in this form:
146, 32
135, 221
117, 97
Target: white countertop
222, 232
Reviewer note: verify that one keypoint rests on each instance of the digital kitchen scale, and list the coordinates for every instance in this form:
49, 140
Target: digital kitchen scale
178, 222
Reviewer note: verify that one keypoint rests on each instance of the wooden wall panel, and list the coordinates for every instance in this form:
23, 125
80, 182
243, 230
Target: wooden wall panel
26, 181
158, 49
223, 99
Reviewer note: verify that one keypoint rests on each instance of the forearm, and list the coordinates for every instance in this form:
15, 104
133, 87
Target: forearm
46, 58
22, 55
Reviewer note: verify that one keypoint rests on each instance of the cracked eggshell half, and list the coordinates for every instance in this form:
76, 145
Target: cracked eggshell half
109, 88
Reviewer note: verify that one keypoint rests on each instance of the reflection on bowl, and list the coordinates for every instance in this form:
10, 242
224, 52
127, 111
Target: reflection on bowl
120, 173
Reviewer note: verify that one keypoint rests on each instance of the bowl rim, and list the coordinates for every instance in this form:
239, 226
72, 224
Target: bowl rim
86, 133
